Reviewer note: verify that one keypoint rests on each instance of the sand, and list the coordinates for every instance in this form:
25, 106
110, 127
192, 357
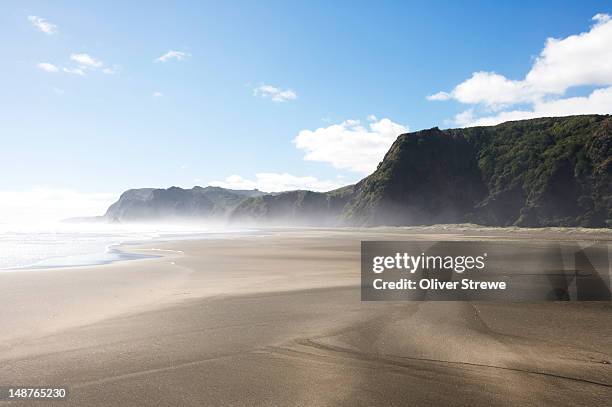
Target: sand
277, 320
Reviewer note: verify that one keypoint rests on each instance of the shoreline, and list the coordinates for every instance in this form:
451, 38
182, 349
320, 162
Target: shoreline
117, 249
127, 250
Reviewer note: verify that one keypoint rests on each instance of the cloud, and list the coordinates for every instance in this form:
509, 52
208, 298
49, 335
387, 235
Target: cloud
465, 118
439, 96
43, 25
76, 71
490, 89
601, 18
598, 102
50, 204
277, 182
46, 66
274, 93
178, 55
349, 145
584, 59
111, 70
86, 60
157, 94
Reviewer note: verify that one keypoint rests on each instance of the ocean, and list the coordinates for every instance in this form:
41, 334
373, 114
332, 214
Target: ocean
69, 245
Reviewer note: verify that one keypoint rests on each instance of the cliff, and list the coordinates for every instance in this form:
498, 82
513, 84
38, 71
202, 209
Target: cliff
147, 204
540, 172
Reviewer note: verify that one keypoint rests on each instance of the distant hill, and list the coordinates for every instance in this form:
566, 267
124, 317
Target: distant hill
175, 203
539, 172
294, 207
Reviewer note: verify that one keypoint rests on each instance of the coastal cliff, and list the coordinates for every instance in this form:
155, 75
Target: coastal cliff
533, 173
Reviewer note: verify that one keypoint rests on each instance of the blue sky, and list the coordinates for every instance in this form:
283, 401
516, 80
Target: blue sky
89, 107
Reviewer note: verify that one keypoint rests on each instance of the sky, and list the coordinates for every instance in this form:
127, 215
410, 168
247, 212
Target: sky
102, 97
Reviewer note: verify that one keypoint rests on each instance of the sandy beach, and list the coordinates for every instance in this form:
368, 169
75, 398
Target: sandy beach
276, 319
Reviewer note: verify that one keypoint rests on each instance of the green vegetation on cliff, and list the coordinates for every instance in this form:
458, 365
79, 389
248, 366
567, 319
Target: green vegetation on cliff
146, 204
295, 207
539, 172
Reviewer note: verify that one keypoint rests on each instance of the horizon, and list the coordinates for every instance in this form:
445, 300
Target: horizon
112, 106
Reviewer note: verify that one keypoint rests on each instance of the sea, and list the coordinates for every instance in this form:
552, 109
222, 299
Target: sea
58, 244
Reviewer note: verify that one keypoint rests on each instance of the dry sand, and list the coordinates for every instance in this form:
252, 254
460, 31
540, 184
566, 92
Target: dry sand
277, 320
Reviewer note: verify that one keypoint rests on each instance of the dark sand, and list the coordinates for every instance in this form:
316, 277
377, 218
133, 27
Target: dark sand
278, 320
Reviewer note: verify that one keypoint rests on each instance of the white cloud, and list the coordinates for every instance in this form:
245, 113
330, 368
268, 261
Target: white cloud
274, 93
349, 145
490, 89
439, 96
601, 18
43, 25
50, 204
598, 102
111, 70
277, 182
76, 71
86, 60
465, 118
178, 55
583, 59
46, 66
157, 94
86, 63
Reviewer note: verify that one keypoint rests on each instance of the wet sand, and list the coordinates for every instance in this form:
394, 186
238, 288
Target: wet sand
277, 320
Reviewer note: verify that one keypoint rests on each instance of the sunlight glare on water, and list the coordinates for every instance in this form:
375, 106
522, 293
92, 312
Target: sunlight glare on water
74, 244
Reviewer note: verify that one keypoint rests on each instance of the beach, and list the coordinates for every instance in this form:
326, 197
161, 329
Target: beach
276, 319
